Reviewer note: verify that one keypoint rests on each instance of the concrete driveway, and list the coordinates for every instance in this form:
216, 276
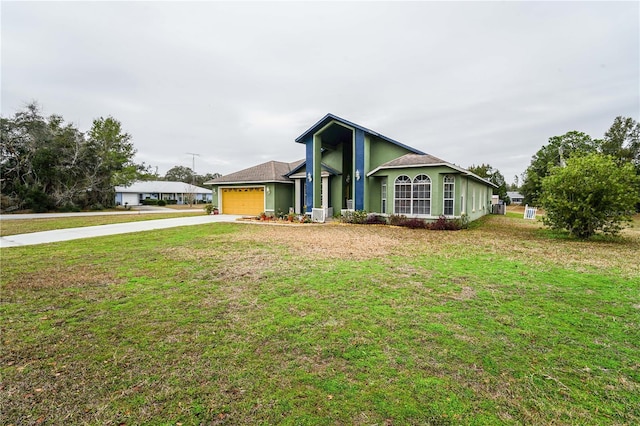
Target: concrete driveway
102, 230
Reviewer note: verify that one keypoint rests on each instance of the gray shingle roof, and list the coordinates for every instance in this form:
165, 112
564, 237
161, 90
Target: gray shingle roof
414, 160
425, 160
162, 187
271, 171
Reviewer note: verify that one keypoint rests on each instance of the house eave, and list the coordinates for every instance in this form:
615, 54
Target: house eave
256, 182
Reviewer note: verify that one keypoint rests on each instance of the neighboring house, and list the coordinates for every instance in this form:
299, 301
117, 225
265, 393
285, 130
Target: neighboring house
515, 197
348, 166
172, 192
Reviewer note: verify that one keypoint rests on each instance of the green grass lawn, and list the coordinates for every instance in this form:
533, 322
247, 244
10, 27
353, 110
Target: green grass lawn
26, 226
505, 323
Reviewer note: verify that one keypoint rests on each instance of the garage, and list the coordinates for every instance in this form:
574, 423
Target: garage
243, 201
130, 199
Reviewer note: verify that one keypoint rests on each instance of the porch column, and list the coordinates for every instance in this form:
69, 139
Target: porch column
325, 192
308, 202
317, 171
296, 198
358, 184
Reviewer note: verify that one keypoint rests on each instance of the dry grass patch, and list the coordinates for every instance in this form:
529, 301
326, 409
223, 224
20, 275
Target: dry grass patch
329, 241
62, 276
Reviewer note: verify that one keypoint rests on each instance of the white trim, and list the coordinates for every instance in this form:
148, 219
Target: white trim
296, 196
453, 195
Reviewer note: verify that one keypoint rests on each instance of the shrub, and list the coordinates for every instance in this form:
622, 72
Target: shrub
38, 201
149, 202
162, 203
397, 219
439, 225
374, 219
414, 223
355, 216
208, 208
590, 194
68, 208
97, 206
444, 224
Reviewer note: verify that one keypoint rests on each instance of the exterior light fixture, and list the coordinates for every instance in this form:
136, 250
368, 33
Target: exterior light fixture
309, 177
357, 174
348, 178
268, 190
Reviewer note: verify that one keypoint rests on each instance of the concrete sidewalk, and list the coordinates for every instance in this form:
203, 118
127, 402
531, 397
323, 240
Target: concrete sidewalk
136, 210
112, 229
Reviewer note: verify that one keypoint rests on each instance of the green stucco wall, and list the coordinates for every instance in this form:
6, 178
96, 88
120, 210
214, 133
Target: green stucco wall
381, 151
463, 191
283, 197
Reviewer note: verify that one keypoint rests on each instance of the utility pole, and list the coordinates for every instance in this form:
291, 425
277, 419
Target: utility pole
193, 166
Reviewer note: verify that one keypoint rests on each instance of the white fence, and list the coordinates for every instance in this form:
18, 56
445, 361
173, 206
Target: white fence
530, 212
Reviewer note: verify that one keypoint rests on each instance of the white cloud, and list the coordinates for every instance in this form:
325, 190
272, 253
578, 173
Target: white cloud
481, 82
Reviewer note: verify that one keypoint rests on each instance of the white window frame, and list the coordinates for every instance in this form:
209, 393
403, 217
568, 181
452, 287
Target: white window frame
449, 180
419, 195
397, 209
421, 184
383, 197
473, 201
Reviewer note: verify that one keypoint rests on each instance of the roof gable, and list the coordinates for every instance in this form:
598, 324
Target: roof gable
331, 117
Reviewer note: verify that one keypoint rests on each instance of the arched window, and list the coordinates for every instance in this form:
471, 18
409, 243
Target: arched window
422, 195
402, 197
449, 193
412, 197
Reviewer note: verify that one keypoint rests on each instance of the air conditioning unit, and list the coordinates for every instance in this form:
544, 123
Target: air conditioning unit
317, 215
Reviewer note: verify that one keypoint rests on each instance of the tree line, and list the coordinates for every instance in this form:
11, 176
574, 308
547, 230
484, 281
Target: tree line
48, 164
180, 174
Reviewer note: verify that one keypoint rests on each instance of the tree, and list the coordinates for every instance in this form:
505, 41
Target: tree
147, 172
592, 193
556, 152
494, 176
179, 174
113, 152
622, 141
200, 180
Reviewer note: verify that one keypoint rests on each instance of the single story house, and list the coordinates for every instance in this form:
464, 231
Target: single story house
172, 192
348, 166
515, 197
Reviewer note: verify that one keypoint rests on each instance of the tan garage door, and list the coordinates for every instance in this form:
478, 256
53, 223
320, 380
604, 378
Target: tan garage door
247, 201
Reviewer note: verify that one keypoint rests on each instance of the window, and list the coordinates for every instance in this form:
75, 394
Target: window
383, 197
473, 201
412, 198
402, 199
422, 195
448, 191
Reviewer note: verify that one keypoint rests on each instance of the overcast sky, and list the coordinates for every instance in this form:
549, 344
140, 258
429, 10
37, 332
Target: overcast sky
236, 83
